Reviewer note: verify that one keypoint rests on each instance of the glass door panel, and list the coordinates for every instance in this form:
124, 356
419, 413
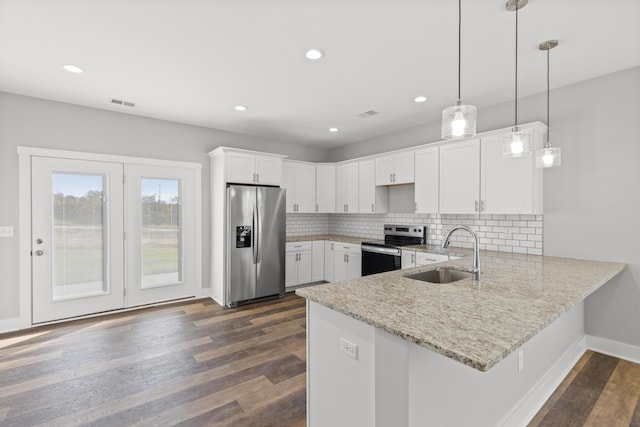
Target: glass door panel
78, 235
161, 256
77, 230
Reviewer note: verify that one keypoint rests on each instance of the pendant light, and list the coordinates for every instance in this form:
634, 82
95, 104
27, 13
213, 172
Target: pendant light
548, 156
459, 121
517, 143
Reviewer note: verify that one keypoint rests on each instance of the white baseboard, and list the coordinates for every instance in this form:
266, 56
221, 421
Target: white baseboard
614, 348
14, 324
529, 406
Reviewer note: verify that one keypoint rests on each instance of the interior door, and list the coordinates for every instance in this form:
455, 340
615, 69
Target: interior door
160, 218
77, 229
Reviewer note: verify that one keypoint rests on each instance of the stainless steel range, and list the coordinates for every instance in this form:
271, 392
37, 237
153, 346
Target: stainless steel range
385, 255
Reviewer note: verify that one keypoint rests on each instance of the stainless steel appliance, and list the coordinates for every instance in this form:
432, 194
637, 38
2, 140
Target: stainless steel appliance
256, 236
385, 255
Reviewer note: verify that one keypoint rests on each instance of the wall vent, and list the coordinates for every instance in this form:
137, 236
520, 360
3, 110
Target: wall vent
123, 103
366, 114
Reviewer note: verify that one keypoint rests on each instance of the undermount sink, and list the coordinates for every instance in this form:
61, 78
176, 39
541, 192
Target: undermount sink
440, 275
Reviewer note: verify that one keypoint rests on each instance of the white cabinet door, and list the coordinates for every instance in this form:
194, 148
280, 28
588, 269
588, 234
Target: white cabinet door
326, 188
304, 267
268, 170
427, 180
367, 186
305, 187
403, 168
340, 270
289, 183
384, 170
354, 265
328, 260
395, 169
506, 183
240, 167
424, 258
317, 265
347, 187
291, 269
408, 259
352, 187
460, 177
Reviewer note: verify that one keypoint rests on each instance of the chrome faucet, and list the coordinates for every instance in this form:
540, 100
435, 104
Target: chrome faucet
475, 270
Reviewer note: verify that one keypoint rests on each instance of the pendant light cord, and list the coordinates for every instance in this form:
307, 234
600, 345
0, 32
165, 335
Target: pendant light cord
548, 125
459, 43
516, 110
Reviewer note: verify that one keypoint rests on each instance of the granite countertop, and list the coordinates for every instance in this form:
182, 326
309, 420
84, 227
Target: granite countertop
475, 323
330, 237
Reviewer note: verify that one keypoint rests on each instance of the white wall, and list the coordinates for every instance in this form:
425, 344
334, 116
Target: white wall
592, 202
39, 123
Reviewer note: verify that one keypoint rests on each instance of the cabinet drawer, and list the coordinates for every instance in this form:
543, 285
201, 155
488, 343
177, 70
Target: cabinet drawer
346, 247
298, 246
423, 258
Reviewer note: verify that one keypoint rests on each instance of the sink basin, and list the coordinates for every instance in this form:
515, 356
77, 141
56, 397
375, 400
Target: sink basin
440, 275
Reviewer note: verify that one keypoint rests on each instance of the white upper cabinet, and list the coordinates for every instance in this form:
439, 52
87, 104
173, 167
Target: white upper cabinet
248, 167
476, 178
347, 187
395, 168
300, 182
510, 185
460, 177
325, 188
427, 175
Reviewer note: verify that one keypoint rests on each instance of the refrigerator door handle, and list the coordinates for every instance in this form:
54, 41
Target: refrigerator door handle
254, 235
258, 230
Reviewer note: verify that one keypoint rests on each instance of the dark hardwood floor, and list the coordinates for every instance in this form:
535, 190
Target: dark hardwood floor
599, 391
190, 363
198, 364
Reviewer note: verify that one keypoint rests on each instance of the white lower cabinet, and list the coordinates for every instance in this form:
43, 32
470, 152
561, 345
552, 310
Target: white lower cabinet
329, 250
347, 261
416, 258
317, 264
298, 264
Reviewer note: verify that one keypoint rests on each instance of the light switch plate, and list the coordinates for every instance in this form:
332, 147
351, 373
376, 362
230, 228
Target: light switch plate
6, 231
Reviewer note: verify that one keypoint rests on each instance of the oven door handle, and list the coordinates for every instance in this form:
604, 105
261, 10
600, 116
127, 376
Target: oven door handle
378, 250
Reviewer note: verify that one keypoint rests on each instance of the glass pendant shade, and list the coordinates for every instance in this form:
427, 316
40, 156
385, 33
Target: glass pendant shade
548, 157
516, 144
459, 121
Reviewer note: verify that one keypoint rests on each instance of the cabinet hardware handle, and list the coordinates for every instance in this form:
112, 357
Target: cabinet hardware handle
394, 177
476, 208
482, 206
257, 177
332, 246
416, 206
347, 257
317, 209
413, 258
373, 209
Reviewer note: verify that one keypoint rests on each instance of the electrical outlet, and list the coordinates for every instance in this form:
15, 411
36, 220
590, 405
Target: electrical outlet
520, 360
349, 348
6, 231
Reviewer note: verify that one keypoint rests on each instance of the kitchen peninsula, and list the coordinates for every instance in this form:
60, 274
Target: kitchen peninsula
389, 350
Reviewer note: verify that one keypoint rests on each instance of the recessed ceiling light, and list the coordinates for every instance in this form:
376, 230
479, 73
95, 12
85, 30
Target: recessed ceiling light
72, 68
314, 54
333, 129
241, 108
420, 98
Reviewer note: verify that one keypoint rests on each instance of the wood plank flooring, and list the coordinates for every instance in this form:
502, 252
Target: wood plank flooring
198, 364
599, 391
189, 364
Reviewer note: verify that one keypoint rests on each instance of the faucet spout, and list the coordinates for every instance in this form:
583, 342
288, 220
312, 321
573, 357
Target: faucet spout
475, 270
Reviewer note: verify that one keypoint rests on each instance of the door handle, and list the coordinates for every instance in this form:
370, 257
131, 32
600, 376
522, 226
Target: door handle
39, 253
39, 241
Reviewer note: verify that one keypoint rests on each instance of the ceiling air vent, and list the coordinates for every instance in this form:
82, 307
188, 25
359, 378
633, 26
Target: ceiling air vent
121, 102
366, 114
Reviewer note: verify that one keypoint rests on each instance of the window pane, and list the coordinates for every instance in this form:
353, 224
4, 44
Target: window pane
78, 235
161, 255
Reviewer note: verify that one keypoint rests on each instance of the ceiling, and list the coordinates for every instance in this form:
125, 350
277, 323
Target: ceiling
192, 61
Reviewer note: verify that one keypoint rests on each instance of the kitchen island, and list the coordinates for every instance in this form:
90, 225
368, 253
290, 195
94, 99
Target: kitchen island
390, 350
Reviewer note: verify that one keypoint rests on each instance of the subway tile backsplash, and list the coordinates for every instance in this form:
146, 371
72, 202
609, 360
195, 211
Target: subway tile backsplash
504, 233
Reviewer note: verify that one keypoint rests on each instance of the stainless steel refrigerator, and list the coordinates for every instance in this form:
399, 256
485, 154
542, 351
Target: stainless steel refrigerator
256, 236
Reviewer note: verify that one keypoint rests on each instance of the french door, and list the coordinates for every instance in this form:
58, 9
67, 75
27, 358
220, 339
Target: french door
77, 232
106, 236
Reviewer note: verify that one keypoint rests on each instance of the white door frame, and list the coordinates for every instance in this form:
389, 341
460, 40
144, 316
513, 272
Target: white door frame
24, 221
